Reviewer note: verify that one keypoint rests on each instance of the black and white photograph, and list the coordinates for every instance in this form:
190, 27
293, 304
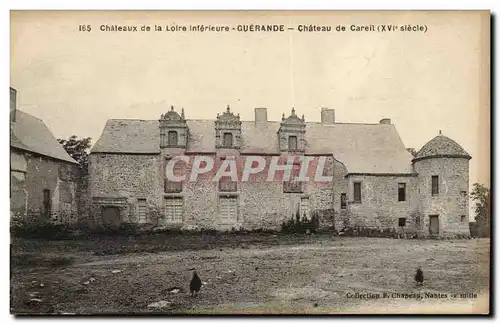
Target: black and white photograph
250, 162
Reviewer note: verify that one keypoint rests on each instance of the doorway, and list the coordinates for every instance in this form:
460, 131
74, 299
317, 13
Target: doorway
110, 216
434, 225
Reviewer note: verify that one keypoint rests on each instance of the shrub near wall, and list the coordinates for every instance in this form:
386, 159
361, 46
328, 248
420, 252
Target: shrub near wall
40, 230
299, 224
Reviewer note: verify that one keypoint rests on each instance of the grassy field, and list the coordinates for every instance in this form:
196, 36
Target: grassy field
248, 274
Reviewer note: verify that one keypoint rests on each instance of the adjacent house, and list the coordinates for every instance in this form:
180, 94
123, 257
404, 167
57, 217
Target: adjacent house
43, 177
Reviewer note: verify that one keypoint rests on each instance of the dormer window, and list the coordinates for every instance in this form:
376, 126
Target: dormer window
173, 129
228, 140
172, 138
291, 133
228, 130
292, 143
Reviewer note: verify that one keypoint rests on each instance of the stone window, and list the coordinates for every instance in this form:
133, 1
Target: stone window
228, 210
228, 140
174, 210
292, 143
462, 218
293, 185
226, 184
343, 201
171, 186
401, 191
305, 210
142, 210
435, 185
402, 222
172, 138
357, 192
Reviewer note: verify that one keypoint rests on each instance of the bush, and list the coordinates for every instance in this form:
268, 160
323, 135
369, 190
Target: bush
300, 225
124, 229
41, 230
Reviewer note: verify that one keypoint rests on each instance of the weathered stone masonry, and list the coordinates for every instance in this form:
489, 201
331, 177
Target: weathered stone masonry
43, 177
396, 189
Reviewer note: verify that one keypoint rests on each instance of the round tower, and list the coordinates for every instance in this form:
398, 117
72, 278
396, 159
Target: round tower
443, 188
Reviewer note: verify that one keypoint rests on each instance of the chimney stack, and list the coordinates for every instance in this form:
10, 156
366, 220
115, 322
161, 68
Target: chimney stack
13, 104
327, 116
386, 121
260, 116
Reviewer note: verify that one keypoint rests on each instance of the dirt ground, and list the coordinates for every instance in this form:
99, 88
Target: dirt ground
249, 274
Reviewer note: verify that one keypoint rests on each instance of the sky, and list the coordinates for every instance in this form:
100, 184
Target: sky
424, 82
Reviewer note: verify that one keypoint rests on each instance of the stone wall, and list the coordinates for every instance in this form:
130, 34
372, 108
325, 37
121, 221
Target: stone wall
261, 204
452, 201
265, 205
341, 217
42, 173
125, 177
379, 207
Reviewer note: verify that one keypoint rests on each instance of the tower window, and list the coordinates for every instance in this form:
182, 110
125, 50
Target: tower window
401, 191
357, 192
228, 140
462, 218
172, 138
402, 222
292, 143
343, 201
435, 185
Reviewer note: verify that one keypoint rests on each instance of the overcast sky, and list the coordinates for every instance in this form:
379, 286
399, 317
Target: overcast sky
424, 82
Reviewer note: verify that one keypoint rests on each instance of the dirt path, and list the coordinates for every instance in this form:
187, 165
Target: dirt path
320, 277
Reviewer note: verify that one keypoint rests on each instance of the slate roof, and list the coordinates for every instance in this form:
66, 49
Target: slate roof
362, 148
441, 146
31, 134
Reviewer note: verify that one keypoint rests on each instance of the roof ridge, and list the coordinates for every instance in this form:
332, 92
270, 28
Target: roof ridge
251, 121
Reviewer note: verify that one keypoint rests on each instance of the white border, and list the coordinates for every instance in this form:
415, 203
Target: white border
187, 5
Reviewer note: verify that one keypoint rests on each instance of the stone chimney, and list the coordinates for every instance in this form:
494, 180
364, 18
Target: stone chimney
260, 116
327, 116
13, 104
386, 121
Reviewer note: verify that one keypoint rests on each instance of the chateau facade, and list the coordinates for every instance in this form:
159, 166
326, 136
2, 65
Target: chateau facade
376, 182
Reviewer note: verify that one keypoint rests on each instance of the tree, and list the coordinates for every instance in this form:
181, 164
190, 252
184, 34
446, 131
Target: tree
78, 149
481, 195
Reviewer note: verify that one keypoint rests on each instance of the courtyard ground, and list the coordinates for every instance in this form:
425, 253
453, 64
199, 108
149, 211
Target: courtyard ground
248, 274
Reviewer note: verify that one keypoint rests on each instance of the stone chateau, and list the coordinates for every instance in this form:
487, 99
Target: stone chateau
377, 183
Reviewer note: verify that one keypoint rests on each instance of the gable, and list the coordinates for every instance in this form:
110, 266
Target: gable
30, 134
